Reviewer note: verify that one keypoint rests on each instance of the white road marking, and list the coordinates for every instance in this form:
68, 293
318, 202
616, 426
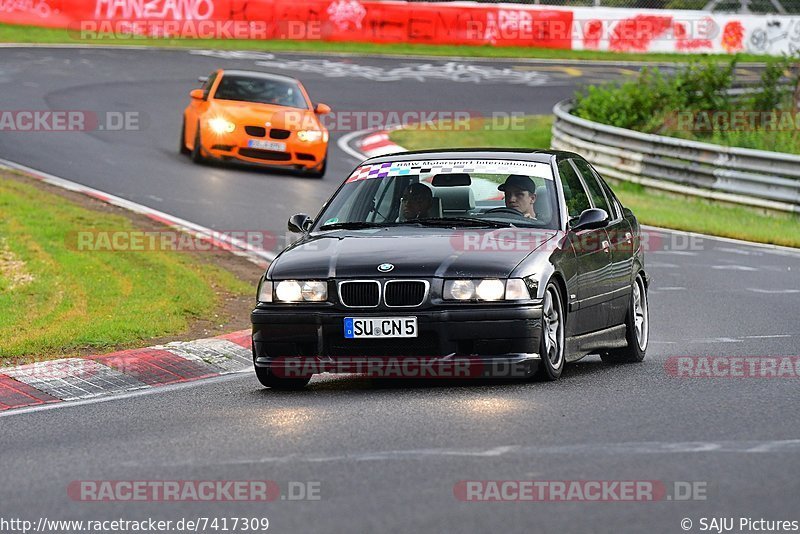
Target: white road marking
703, 447
738, 251
674, 252
716, 340
774, 291
674, 288
768, 337
733, 268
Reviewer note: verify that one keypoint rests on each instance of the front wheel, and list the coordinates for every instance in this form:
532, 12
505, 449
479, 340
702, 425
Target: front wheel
197, 149
320, 172
270, 380
183, 148
551, 344
637, 328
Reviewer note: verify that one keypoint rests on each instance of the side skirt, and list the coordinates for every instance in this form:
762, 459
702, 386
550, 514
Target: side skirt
609, 338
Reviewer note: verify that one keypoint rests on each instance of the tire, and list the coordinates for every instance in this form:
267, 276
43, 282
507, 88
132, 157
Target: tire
637, 328
269, 380
183, 148
551, 343
321, 172
197, 150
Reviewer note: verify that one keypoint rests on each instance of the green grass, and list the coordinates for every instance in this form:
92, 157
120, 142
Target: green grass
651, 207
513, 132
10, 33
56, 300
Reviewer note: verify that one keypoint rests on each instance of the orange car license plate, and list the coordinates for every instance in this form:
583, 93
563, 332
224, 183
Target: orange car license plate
266, 145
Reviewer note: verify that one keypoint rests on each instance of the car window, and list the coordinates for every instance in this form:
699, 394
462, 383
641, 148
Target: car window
574, 194
260, 90
595, 191
384, 200
398, 192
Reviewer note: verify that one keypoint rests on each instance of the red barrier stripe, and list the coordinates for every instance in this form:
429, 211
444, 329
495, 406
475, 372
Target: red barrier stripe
154, 366
15, 394
241, 338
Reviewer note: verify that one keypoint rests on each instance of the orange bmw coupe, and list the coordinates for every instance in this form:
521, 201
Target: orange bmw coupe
255, 117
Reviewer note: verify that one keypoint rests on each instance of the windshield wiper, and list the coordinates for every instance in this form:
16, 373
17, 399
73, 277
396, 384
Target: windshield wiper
352, 225
459, 221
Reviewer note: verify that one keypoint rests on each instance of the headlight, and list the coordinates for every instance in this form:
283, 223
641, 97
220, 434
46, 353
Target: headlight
220, 126
489, 289
309, 135
301, 291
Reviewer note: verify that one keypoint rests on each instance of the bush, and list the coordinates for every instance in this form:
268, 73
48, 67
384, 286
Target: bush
648, 104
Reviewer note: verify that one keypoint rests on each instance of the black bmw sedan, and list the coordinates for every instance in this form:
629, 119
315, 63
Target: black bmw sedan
452, 261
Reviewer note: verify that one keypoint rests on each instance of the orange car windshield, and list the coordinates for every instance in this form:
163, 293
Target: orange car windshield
261, 91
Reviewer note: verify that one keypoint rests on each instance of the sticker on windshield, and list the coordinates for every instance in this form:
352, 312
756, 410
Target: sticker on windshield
432, 167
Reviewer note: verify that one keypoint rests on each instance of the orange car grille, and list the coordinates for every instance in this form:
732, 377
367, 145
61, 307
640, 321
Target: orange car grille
277, 133
255, 131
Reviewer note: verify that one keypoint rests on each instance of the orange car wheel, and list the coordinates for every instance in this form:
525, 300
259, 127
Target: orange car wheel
183, 148
197, 149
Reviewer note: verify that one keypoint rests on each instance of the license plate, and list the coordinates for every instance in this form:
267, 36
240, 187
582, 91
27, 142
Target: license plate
266, 145
371, 327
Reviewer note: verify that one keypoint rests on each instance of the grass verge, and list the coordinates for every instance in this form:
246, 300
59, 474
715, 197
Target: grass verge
651, 207
10, 33
57, 300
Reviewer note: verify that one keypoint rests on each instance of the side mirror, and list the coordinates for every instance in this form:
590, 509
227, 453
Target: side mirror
299, 223
322, 109
591, 219
197, 94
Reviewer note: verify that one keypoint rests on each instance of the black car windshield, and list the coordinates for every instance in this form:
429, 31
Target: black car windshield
439, 193
261, 91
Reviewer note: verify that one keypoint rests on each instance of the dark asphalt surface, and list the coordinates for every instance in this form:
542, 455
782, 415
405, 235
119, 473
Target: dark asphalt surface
387, 455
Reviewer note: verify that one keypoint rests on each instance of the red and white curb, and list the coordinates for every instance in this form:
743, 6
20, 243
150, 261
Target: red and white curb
71, 379
379, 144
368, 143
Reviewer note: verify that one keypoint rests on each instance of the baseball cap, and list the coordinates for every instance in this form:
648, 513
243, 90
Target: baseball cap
519, 181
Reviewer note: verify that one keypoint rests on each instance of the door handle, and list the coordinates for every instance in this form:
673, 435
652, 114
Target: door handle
606, 246
628, 236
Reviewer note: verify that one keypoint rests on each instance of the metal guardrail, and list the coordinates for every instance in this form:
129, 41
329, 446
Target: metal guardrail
755, 178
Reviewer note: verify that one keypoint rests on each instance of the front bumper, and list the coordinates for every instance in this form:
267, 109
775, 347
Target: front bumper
479, 335
296, 155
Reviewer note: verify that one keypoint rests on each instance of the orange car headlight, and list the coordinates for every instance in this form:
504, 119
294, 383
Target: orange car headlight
220, 126
309, 136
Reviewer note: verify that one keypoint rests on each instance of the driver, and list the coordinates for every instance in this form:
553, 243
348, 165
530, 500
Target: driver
416, 202
520, 194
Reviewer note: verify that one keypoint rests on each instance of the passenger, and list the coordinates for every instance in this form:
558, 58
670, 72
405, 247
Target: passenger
520, 194
416, 202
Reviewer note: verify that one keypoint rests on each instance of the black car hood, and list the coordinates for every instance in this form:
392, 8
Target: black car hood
413, 252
